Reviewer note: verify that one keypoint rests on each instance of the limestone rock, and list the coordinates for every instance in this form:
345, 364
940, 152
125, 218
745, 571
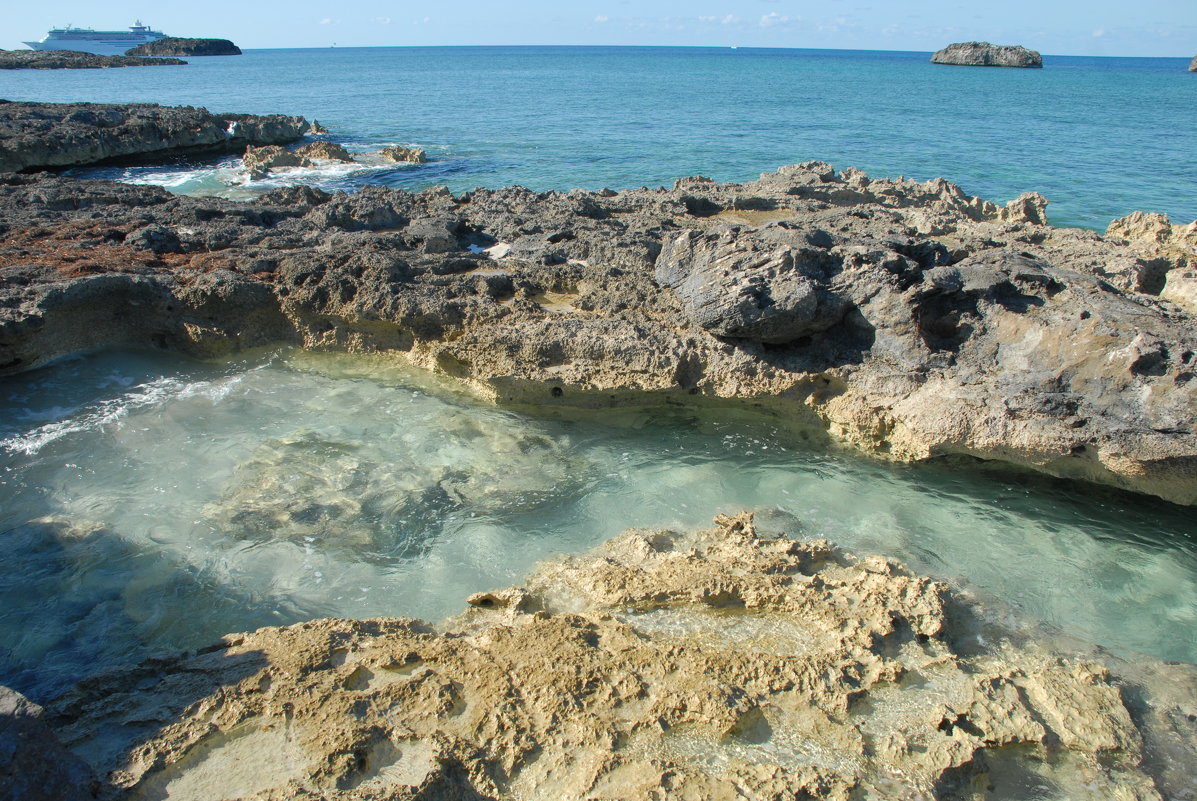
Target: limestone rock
905, 318
413, 155
984, 54
34, 135
74, 60
1193, 65
259, 161
1169, 255
738, 286
173, 46
718, 664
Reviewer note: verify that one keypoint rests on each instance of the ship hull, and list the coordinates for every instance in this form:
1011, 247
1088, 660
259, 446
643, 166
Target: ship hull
98, 46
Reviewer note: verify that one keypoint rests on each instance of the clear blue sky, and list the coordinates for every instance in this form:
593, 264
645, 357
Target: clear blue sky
1075, 27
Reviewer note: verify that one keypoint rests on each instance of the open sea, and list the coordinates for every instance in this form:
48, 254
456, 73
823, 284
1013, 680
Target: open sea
149, 503
1100, 137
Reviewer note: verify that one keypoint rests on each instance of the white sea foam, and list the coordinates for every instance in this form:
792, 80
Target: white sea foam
95, 417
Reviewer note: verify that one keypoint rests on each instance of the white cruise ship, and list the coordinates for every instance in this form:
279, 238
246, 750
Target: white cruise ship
104, 43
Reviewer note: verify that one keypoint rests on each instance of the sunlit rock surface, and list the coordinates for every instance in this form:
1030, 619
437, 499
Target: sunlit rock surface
718, 664
984, 54
907, 319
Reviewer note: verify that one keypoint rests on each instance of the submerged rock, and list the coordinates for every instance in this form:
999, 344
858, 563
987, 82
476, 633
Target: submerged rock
42, 135
173, 46
74, 60
718, 664
984, 54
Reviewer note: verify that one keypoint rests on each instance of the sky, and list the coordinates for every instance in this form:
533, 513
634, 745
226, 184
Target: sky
1058, 27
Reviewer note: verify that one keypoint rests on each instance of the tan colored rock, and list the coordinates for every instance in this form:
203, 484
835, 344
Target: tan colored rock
413, 155
1170, 249
715, 665
259, 161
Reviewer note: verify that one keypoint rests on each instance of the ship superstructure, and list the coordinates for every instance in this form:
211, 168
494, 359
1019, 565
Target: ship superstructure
104, 43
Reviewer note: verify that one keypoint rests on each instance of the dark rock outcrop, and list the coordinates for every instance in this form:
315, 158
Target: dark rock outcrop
34, 765
173, 46
984, 54
41, 135
74, 60
1193, 65
908, 319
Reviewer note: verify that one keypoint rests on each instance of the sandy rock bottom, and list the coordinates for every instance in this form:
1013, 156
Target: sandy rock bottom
708, 665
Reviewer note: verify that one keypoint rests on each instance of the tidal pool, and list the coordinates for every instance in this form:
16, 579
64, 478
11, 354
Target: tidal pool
149, 504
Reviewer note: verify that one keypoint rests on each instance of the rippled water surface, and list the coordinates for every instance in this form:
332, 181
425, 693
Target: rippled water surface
148, 505
1100, 137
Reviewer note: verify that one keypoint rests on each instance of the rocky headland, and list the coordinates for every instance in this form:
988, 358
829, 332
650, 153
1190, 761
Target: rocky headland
984, 54
174, 46
906, 319
46, 135
1193, 65
721, 664
73, 60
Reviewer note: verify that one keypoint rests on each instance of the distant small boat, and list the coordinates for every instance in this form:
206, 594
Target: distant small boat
104, 43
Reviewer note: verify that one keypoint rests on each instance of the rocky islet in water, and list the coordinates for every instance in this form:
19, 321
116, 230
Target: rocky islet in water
176, 46
908, 319
984, 54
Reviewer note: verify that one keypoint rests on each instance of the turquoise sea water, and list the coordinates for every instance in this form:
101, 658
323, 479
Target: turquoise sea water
1100, 137
151, 504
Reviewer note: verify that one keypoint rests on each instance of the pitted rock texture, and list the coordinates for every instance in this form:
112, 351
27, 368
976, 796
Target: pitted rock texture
42, 135
714, 665
74, 60
907, 319
984, 54
398, 153
174, 46
259, 161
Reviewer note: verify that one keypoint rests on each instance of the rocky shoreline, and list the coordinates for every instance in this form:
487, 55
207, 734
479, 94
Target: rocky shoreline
46, 135
723, 663
906, 319
72, 60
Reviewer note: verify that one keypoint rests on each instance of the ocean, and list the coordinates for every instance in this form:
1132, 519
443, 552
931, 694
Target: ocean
1100, 137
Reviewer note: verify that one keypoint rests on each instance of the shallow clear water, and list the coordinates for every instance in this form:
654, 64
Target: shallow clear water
1100, 137
149, 505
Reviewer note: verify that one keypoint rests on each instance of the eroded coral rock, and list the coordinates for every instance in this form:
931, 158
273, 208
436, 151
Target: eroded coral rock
718, 664
259, 161
413, 155
906, 318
